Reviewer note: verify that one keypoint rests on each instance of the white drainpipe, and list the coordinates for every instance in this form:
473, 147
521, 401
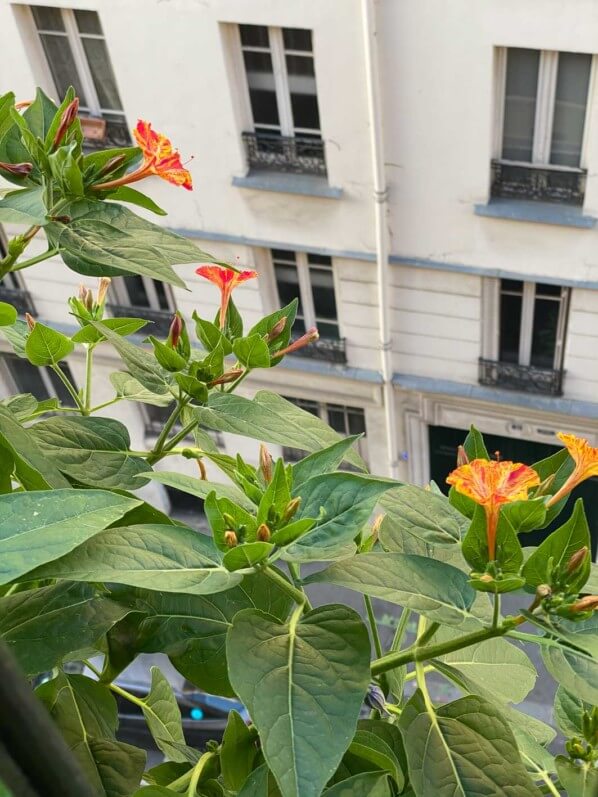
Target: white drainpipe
382, 233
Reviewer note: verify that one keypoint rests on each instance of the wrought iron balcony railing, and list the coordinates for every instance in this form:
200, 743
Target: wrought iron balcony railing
117, 134
525, 378
19, 298
333, 350
515, 180
298, 155
160, 319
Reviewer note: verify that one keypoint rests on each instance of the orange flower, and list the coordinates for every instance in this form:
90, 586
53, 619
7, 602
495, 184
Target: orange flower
159, 158
227, 280
586, 464
491, 484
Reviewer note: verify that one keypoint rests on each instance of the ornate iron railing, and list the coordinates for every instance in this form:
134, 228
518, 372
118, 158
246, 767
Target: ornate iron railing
299, 154
19, 298
332, 350
511, 179
117, 135
160, 319
525, 378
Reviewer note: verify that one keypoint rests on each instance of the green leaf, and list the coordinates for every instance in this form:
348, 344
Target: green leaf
276, 497
168, 558
192, 629
366, 784
238, 752
578, 780
122, 326
574, 670
46, 346
256, 784
210, 335
525, 515
141, 364
303, 684
8, 314
162, 714
568, 712
474, 445
86, 714
560, 547
465, 749
559, 465
37, 527
131, 389
25, 206
94, 451
168, 358
125, 193
109, 240
163, 774
46, 626
265, 325
423, 514
434, 589
246, 555
325, 461
271, 418
16, 335
347, 499
202, 488
66, 171
509, 553
252, 352
41, 113
378, 755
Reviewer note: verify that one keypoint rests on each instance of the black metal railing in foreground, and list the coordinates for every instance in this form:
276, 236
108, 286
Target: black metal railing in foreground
514, 180
525, 378
160, 319
295, 154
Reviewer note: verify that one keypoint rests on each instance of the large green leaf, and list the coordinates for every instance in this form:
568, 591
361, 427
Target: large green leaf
238, 752
109, 239
303, 684
25, 206
578, 780
325, 461
366, 784
568, 712
423, 514
131, 389
16, 335
436, 590
92, 451
33, 469
192, 629
163, 716
46, 626
46, 346
465, 749
574, 670
202, 488
376, 755
168, 558
347, 499
38, 527
273, 419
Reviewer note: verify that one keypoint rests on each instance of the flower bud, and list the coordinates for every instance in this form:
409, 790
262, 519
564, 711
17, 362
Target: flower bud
375, 699
66, 120
462, 458
175, 331
103, 286
277, 329
265, 463
202, 470
577, 560
111, 165
263, 533
545, 486
290, 509
310, 336
230, 538
229, 520
587, 604
376, 527
228, 376
17, 169
61, 219
30, 321
486, 578
23, 104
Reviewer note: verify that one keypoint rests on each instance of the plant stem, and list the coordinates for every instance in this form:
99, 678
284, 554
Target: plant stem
105, 404
88, 375
199, 768
427, 632
114, 688
177, 784
296, 594
66, 382
400, 630
156, 452
536, 639
420, 670
411, 675
238, 381
179, 436
373, 626
37, 259
496, 613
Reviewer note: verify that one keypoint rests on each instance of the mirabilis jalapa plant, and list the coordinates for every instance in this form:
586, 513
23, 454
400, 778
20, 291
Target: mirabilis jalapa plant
89, 569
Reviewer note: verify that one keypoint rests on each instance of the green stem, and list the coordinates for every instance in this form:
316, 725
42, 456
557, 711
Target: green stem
88, 375
536, 639
180, 436
373, 626
181, 782
496, 612
105, 404
420, 673
427, 633
416, 653
197, 771
37, 259
401, 630
156, 452
413, 674
238, 381
71, 390
296, 594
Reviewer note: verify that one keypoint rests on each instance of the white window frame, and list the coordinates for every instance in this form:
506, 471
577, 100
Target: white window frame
310, 318
120, 293
278, 55
74, 36
544, 118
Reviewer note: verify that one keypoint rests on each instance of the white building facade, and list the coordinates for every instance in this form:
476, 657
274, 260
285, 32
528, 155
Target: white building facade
423, 175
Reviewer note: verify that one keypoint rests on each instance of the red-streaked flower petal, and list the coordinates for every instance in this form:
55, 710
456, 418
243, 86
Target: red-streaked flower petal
489, 482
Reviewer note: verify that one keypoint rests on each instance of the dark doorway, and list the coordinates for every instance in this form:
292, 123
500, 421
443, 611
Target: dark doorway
443, 453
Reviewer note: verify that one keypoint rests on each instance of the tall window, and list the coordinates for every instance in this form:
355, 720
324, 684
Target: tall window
42, 383
310, 278
75, 49
542, 115
532, 323
145, 296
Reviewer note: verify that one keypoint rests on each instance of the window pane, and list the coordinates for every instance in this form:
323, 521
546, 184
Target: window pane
102, 74
88, 22
544, 289
60, 391
322, 286
328, 330
337, 419
26, 377
47, 18
302, 88
319, 260
62, 65
287, 281
254, 35
262, 91
136, 291
162, 297
297, 39
570, 108
356, 421
520, 103
546, 319
510, 328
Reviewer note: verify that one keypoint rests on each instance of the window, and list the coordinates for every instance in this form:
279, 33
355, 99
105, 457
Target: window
281, 85
75, 50
43, 383
344, 420
145, 296
541, 122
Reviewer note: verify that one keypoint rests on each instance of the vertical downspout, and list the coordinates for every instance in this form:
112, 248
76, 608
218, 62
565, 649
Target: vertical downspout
382, 234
